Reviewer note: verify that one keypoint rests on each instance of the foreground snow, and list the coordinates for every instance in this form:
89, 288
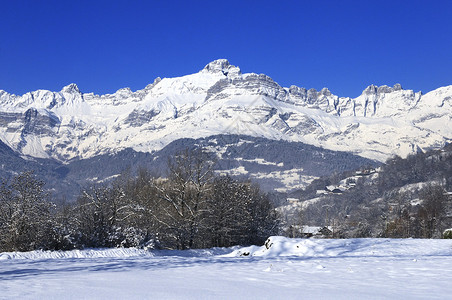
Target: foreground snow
283, 268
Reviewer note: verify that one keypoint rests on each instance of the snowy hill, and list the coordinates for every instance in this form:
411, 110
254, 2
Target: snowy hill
373, 201
221, 100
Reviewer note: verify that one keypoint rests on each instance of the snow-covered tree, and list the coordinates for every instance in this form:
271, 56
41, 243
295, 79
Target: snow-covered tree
26, 219
182, 199
239, 213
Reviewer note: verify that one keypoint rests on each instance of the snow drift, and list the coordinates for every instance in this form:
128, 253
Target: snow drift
282, 246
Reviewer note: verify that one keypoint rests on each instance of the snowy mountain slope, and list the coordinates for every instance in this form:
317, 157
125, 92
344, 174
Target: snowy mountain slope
275, 165
220, 100
279, 166
11, 163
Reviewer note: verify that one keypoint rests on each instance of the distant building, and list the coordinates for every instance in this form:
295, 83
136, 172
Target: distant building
366, 172
293, 200
316, 231
335, 189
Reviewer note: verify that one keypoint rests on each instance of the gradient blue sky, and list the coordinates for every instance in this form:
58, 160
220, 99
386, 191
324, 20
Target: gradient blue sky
343, 45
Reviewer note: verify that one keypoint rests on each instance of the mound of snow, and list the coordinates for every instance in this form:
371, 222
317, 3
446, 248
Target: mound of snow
114, 253
282, 246
87, 253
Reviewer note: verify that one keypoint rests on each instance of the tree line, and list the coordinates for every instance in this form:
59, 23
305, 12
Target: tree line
191, 208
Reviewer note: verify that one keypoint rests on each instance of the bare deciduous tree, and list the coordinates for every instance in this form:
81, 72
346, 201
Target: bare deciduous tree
25, 214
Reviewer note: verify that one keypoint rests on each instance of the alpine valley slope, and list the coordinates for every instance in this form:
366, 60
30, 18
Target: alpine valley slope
219, 99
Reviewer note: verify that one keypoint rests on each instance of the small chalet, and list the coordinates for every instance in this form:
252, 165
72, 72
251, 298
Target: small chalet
316, 231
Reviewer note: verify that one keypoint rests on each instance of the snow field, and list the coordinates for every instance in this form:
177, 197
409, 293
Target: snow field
283, 268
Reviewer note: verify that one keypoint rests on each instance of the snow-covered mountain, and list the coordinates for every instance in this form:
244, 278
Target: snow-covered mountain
219, 99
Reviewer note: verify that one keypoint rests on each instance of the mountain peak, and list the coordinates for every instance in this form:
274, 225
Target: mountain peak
384, 89
371, 89
221, 66
397, 87
71, 89
325, 91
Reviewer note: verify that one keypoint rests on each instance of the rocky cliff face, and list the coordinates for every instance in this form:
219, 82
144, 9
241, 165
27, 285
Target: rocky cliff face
219, 99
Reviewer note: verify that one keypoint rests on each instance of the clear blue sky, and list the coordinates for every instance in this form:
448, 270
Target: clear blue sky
343, 45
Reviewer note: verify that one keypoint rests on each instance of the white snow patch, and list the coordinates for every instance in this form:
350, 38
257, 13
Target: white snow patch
240, 170
261, 161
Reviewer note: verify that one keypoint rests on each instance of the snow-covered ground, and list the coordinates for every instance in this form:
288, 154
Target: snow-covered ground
282, 269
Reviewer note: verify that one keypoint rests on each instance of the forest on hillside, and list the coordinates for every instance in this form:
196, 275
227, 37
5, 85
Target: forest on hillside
403, 198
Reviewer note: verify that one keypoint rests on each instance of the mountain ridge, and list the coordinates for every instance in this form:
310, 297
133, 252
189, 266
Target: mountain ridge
381, 122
